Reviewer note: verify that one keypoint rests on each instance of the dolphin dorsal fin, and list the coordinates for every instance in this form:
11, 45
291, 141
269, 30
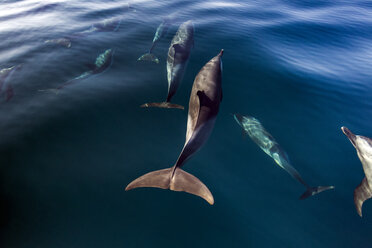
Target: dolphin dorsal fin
362, 193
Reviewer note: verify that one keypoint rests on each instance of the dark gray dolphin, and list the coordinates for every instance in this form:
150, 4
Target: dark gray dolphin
268, 144
178, 56
205, 98
161, 31
5, 84
363, 146
103, 61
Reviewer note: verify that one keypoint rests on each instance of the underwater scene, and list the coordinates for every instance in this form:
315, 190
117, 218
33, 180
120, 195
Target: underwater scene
185, 123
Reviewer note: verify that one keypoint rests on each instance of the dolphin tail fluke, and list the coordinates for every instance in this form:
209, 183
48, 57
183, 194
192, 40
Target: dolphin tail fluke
315, 190
361, 193
162, 105
149, 57
176, 180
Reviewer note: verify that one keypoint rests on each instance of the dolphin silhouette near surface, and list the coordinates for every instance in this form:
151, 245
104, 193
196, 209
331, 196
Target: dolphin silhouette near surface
5, 83
178, 57
161, 31
205, 98
363, 146
103, 61
267, 143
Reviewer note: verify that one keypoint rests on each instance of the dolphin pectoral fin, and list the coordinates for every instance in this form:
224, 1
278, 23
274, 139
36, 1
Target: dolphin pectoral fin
179, 181
162, 105
315, 190
361, 193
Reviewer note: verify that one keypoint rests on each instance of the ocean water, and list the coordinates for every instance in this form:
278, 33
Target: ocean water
303, 68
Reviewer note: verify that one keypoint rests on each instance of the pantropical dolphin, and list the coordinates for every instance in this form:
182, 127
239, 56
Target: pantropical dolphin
103, 61
363, 146
178, 56
205, 98
268, 144
5, 76
61, 41
161, 31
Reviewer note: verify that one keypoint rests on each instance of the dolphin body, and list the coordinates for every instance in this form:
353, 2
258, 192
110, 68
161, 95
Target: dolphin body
103, 61
363, 146
268, 144
178, 57
205, 98
5, 76
161, 31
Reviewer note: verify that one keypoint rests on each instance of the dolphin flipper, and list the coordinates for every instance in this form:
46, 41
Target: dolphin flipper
361, 193
179, 181
315, 190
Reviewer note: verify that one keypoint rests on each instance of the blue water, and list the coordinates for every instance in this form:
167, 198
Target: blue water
303, 68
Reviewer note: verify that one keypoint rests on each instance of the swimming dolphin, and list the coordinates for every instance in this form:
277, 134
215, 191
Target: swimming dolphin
161, 31
5, 85
103, 61
267, 143
363, 146
61, 41
178, 56
205, 98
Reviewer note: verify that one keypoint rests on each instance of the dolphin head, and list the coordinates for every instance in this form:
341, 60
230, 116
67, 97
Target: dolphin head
349, 134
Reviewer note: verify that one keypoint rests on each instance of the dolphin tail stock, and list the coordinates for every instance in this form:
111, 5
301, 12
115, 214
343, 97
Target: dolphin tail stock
162, 105
174, 179
314, 190
149, 57
362, 193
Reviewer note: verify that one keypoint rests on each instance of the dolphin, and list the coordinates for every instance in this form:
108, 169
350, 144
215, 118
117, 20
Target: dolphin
268, 144
205, 98
103, 61
5, 76
161, 31
363, 146
178, 56
61, 41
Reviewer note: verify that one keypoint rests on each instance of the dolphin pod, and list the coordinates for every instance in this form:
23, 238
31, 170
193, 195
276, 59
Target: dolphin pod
205, 98
267, 143
161, 31
363, 146
178, 57
103, 61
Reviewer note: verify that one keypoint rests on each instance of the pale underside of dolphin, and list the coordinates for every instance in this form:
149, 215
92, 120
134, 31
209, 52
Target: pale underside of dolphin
267, 143
178, 57
205, 99
102, 63
363, 146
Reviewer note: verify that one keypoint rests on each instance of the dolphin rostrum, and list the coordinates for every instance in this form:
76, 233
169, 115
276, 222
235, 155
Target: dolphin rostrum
5, 76
268, 144
178, 56
205, 98
103, 61
363, 146
161, 31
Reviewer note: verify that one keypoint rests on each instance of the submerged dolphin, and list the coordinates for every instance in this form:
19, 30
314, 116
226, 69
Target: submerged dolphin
205, 98
103, 61
61, 41
161, 31
5, 76
267, 143
178, 56
363, 146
